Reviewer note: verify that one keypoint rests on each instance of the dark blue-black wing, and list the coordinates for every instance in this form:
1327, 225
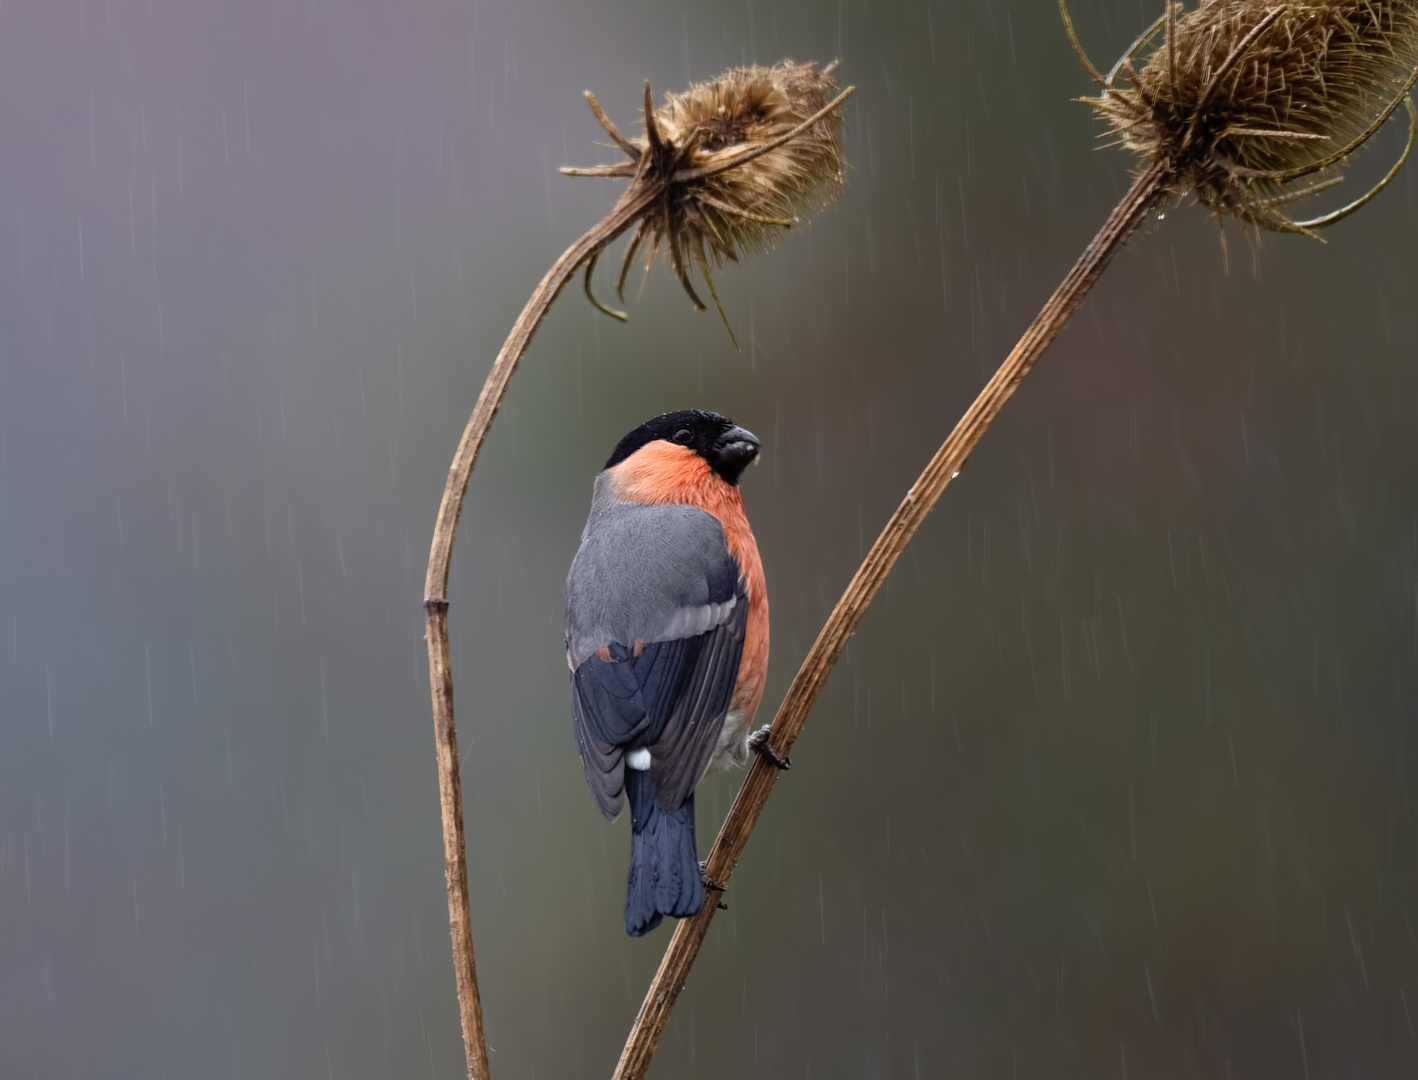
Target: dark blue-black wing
669, 697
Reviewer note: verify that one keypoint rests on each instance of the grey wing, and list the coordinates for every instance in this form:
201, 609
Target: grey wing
656, 588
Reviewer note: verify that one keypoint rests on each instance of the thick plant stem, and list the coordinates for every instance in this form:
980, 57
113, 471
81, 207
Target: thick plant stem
440, 670
1147, 191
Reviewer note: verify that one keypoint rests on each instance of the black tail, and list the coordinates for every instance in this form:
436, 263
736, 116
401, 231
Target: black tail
664, 862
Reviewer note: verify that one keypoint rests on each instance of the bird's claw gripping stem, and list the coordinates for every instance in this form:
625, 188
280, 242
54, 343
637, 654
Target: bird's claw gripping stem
710, 883
759, 744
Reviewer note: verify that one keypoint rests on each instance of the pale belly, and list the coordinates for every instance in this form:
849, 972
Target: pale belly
731, 751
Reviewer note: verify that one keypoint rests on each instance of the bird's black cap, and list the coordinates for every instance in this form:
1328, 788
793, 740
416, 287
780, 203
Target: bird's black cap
728, 448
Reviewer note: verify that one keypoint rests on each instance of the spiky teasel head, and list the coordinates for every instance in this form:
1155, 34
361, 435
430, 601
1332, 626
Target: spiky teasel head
1244, 102
727, 165
714, 121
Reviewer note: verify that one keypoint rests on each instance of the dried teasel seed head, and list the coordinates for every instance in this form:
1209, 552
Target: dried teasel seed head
727, 165
1244, 101
713, 122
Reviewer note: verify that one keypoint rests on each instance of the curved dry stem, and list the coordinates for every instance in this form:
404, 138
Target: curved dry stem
440, 667
1344, 211
1147, 191
620, 316
736, 160
1093, 72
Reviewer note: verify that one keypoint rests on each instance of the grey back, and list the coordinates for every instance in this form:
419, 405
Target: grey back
645, 573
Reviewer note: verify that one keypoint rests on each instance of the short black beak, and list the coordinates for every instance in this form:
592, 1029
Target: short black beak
734, 450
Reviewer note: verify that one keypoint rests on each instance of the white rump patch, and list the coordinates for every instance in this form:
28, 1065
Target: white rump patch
639, 760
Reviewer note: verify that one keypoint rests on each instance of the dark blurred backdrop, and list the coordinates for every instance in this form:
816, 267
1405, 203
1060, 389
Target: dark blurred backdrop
1116, 779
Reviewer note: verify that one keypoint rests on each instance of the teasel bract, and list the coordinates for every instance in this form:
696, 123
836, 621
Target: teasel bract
1244, 104
720, 169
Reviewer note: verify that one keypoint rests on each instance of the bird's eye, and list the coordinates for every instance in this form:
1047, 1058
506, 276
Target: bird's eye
683, 435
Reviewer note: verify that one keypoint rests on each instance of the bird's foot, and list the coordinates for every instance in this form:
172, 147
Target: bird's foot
759, 744
710, 883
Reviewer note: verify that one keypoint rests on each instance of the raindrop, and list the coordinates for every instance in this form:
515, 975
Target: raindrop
148, 663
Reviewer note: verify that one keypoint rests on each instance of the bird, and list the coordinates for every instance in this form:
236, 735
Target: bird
667, 642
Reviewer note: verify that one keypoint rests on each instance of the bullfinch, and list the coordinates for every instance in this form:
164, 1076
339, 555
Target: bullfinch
667, 641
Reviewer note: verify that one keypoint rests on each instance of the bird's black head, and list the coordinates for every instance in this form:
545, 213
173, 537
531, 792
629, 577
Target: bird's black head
728, 448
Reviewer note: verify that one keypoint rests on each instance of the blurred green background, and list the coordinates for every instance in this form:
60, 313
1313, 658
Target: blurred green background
1115, 779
